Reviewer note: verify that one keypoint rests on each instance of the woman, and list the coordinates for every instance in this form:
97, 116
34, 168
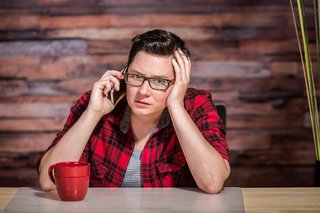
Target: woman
162, 134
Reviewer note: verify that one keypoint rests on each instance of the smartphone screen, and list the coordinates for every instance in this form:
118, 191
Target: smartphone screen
114, 94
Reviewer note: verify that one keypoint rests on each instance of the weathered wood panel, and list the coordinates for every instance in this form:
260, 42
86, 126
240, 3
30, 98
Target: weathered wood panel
31, 124
43, 48
244, 52
271, 176
25, 142
150, 20
59, 67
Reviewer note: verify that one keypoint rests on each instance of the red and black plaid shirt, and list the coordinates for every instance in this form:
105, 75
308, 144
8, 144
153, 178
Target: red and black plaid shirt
163, 164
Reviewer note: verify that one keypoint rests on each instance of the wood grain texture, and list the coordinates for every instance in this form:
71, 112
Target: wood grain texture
282, 200
244, 52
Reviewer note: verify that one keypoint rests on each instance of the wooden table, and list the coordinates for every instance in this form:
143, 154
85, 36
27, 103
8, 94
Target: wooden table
255, 199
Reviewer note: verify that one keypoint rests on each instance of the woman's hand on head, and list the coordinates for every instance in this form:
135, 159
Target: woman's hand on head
182, 67
100, 101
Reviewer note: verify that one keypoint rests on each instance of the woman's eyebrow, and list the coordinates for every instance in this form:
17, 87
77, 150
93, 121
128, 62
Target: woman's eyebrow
135, 71
160, 76
156, 76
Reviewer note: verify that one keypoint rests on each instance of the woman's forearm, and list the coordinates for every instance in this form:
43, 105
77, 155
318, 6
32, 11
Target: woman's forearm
70, 146
207, 166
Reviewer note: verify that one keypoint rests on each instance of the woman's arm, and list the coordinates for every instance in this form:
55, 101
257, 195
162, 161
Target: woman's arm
72, 144
69, 148
207, 166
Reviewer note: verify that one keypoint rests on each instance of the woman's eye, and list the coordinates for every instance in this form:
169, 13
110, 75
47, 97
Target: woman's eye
160, 81
137, 77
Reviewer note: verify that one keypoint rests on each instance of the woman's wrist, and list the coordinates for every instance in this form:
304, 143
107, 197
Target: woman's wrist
173, 105
175, 108
92, 115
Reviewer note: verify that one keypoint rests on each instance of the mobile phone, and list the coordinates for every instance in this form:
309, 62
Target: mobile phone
114, 94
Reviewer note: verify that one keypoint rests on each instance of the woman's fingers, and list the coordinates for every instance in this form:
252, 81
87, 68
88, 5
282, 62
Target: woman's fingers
177, 69
99, 100
187, 64
114, 77
104, 85
114, 73
180, 68
184, 65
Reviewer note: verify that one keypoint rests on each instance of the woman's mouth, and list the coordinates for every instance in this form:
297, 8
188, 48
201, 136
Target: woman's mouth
142, 102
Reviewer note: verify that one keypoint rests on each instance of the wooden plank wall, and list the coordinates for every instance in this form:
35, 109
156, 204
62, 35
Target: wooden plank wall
243, 51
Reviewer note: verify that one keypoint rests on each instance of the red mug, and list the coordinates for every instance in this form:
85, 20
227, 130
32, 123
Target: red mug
71, 179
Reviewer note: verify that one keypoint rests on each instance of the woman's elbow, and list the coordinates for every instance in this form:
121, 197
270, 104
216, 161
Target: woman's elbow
212, 188
213, 185
46, 184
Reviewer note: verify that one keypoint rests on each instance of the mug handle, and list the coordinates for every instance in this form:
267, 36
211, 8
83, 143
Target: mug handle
51, 174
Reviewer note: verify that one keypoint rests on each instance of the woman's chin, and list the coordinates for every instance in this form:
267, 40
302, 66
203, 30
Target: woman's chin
141, 111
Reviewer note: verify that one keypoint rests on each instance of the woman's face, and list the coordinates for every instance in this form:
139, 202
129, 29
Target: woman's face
143, 100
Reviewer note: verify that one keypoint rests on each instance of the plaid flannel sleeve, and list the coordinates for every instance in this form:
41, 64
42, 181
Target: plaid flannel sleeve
206, 117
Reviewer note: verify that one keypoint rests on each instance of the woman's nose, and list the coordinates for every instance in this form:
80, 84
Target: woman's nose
145, 88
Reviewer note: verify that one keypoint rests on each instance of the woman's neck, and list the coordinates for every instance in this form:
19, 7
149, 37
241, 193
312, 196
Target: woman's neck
142, 126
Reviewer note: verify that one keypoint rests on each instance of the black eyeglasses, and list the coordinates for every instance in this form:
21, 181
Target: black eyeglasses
136, 80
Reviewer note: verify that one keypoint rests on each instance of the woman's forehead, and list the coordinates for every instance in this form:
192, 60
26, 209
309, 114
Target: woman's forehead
152, 65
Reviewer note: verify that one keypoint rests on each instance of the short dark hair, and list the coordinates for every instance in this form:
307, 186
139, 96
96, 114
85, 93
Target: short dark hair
158, 42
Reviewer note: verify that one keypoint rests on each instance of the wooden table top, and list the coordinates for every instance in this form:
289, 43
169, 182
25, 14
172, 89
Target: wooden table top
255, 199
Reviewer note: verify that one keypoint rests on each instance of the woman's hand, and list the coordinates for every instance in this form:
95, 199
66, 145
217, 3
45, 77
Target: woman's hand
182, 67
100, 101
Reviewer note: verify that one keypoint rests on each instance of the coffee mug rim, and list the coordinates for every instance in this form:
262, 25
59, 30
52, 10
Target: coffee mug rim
71, 163
73, 177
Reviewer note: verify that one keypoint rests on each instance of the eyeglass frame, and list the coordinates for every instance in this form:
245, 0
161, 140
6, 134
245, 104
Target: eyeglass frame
126, 74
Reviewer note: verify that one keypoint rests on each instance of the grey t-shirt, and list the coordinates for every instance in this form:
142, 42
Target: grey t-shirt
132, 177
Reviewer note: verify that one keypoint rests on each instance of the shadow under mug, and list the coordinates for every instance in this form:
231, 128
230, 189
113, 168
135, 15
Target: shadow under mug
71, 179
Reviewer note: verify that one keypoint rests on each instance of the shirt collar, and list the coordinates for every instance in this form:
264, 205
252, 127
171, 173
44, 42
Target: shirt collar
125, 122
